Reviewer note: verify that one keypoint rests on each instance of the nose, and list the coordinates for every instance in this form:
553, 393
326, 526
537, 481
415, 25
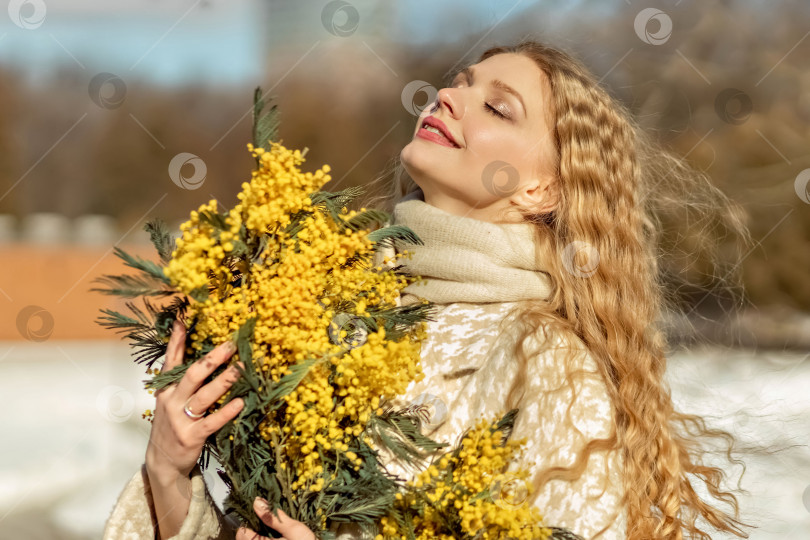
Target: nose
448, 99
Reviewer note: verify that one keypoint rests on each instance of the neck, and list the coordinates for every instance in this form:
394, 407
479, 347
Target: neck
494, 213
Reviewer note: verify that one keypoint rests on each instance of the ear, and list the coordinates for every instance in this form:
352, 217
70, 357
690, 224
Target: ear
540, 195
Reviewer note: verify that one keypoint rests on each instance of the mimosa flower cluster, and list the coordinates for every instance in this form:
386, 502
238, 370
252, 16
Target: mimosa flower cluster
469, 493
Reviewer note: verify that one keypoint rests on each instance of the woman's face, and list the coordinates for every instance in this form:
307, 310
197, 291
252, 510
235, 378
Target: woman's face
504, 156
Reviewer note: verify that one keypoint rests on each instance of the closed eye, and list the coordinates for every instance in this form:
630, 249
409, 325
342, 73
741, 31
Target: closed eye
463, 78
492, 110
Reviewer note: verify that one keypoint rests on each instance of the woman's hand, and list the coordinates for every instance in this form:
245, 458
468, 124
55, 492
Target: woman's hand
284, 524
177, 439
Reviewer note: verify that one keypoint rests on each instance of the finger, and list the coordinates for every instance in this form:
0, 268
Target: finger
284, 524
214, 422
262, 509
176, 346
211, 392
202, 368
243, 533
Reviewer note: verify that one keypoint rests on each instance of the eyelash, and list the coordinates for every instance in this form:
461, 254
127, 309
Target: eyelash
492, 110
489, 108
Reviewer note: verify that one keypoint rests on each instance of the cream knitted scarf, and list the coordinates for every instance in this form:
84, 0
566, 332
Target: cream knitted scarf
468, 260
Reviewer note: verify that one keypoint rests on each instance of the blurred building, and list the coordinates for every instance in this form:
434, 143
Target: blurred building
292, 28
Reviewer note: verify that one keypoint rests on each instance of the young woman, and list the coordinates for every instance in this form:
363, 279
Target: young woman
533, 191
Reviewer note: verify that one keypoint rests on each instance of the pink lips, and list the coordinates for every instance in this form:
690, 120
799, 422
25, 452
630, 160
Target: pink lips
446, 139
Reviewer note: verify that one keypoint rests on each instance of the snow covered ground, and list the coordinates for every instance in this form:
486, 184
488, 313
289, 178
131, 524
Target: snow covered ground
764, 399
72, 432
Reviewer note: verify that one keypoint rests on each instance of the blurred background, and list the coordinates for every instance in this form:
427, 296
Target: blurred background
113, 113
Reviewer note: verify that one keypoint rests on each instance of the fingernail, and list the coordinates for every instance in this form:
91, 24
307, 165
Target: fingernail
261, 503
177, 326
230, 346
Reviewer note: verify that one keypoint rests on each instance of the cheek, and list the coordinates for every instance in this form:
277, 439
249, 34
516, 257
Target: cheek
502, 160
490, 145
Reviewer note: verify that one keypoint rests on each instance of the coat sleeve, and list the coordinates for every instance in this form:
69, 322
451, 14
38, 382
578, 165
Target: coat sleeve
133, 517
558, 417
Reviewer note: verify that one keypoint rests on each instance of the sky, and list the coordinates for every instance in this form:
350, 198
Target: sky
176, 41
167, 41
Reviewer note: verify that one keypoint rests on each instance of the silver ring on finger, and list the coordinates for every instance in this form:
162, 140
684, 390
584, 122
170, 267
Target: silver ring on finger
190, 414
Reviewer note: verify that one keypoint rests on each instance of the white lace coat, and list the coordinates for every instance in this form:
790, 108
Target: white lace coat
464, 340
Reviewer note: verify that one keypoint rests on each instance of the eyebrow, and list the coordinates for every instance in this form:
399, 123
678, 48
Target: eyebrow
497, 83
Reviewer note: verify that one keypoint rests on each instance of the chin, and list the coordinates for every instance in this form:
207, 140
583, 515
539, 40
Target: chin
416, 162
406, 154
408, 160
